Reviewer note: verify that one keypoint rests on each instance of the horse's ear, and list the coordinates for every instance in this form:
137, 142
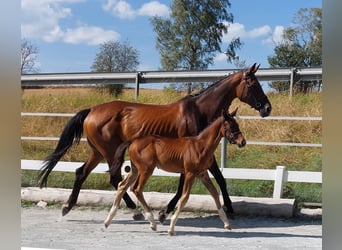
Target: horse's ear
232, 114
255, 68
251, 70
225, 114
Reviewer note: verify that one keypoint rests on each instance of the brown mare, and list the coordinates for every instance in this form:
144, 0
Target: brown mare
108, 125
191, 156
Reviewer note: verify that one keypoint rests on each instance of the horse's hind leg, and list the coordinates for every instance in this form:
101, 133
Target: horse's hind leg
81, 175
212, 190
215, 171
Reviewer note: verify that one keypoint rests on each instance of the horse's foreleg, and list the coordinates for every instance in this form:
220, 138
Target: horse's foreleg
215, 171
212, 190
81, 175
172, 204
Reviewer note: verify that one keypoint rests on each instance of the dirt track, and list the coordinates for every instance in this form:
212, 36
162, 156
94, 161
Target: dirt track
83, 229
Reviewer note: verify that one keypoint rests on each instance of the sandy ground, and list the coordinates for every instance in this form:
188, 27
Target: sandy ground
83, 228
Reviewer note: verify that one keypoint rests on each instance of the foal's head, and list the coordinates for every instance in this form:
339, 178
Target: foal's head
250, 91
231, 130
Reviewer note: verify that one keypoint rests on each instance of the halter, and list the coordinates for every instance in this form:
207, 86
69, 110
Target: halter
232, 135
251, 91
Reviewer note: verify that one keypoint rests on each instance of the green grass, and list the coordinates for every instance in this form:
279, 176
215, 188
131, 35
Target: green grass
251, 156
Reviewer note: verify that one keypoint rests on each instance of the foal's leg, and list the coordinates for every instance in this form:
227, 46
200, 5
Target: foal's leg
122, 188
172, 204
188, 182
138, 191
115, 180
215, 171
81, 175
211, 188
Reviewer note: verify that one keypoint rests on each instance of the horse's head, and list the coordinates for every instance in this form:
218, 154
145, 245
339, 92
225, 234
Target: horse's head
250, 92
231, 130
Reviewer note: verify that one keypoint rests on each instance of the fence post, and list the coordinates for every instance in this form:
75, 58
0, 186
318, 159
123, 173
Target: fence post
278, 182
223, 153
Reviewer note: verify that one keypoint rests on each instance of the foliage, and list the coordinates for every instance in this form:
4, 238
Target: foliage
191, 37
114, 56
301, 47
29, 56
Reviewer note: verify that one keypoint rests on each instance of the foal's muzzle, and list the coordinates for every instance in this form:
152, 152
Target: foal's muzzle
242, 143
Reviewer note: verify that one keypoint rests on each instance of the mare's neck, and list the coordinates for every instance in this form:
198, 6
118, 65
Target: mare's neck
217, 97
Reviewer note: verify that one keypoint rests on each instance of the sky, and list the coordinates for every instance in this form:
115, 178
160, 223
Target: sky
68, 33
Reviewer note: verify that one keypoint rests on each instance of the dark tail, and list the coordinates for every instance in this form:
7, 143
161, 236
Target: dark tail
119, 157
72, 133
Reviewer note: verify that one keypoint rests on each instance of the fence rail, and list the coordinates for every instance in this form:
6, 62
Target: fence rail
279, 175
290, 144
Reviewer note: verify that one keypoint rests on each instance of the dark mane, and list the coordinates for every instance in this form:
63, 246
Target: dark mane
210, 86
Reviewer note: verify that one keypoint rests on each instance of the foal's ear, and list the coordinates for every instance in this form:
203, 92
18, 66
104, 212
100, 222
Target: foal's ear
232, 114
225, 114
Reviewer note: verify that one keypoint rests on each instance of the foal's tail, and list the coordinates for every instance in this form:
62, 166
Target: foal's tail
119, 157
72, 132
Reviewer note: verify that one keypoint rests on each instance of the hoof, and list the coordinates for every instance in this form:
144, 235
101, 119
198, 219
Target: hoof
138, 217
171, 233
162, 216
65, 209
153, 228
228, 227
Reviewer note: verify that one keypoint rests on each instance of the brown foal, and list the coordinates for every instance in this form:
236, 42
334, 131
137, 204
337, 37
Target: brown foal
190, 156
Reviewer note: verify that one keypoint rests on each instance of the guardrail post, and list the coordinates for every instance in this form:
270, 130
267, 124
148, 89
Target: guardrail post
278, 182
291, 82
137, 81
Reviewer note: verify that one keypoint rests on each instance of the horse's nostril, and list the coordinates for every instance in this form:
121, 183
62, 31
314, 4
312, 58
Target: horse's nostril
268, 108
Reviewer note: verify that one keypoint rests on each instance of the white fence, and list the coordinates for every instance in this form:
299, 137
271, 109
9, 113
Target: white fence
279, 175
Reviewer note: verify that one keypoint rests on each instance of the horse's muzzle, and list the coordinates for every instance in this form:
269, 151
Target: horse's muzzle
242, 143
266, 110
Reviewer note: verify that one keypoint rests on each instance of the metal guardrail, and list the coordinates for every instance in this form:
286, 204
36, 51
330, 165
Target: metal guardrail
141, 77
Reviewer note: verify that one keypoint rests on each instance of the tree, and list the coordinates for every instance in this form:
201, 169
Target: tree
29, 55
114, 56
301, 47
191, 37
